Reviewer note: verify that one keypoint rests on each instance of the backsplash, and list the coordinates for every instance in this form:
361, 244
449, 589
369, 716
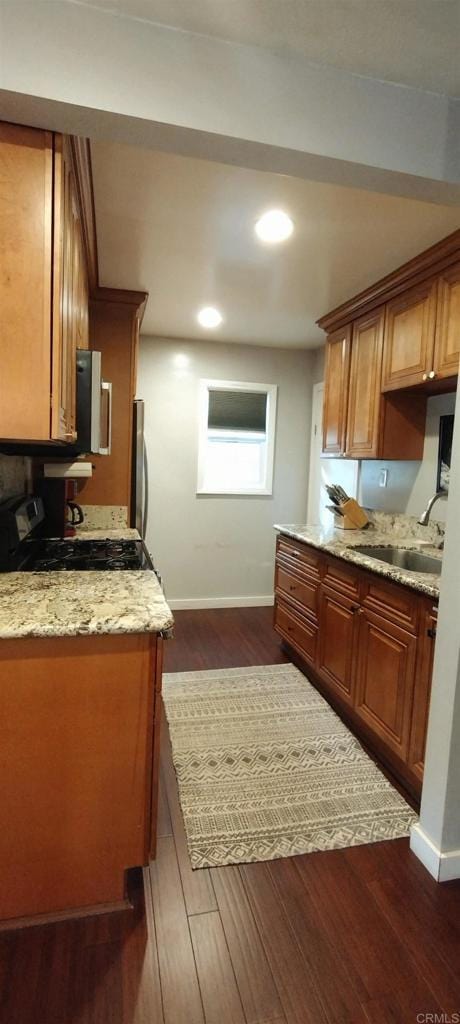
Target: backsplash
14, 475
410, 484
104, 517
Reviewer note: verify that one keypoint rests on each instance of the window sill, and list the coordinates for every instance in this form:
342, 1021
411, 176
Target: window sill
263, 492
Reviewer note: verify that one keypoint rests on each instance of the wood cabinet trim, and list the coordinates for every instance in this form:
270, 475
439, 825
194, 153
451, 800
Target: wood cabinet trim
427, 263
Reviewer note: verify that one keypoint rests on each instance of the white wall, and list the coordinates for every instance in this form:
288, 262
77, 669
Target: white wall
410, 484
86, 70
436, 839
216, 550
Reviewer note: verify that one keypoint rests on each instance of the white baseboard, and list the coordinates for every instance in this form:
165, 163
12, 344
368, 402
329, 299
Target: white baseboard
183, 603
444, 867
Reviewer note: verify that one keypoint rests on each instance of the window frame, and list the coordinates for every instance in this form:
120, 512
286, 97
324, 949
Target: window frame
271, 391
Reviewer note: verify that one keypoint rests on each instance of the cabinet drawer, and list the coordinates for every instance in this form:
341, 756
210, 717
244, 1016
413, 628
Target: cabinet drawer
295, 553
304, 591
298, 632
397, 603
342, 578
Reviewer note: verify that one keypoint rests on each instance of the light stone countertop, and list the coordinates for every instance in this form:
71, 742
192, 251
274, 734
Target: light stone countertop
341, 543
44, 604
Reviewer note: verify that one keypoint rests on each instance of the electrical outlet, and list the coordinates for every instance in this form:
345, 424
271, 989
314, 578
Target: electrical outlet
383, 478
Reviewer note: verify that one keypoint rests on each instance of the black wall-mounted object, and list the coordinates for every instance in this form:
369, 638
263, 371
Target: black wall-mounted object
446, 431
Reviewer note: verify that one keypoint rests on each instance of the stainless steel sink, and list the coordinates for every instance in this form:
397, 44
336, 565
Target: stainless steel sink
414, 561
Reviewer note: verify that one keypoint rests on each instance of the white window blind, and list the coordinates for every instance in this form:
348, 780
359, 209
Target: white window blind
236, 440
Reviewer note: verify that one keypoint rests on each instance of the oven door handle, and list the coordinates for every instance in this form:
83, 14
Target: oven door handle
107, 387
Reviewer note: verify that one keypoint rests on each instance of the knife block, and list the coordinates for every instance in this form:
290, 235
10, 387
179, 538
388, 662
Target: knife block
353, 517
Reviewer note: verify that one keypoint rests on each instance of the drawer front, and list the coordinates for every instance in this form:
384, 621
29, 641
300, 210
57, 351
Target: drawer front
304, 591
343, 579
397, 603
296, 631
294, 553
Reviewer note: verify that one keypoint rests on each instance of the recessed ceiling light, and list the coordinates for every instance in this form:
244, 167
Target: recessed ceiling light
274, 226
209, 317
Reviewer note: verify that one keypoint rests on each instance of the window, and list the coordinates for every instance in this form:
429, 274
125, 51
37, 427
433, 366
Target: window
236, 438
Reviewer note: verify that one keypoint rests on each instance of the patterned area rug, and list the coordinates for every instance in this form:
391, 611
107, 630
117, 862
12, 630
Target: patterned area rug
266, 769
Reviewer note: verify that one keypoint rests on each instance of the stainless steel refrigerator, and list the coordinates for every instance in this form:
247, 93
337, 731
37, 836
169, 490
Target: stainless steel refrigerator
139, 472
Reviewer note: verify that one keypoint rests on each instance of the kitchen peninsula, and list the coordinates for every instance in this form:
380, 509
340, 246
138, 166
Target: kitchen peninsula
80, 670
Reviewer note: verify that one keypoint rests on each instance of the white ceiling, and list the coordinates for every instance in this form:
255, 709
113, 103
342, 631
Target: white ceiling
414, 42
183, 230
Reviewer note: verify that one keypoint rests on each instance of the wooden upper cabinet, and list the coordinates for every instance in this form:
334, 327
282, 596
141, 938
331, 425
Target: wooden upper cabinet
409, 337
362, 441
43, 286
26, 215
336, 392
70, 295
447, 341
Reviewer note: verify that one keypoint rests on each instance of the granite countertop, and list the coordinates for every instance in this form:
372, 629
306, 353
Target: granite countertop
45, 604
342, 542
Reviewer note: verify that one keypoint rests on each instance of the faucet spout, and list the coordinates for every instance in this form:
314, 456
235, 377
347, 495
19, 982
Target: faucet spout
425, 516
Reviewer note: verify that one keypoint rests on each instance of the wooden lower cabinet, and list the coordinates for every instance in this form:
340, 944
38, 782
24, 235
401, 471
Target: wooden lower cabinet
78, 787
368, 644
385, 666
337, 640
422, 690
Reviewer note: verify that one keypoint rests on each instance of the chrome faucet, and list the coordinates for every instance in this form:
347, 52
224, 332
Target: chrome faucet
425, 516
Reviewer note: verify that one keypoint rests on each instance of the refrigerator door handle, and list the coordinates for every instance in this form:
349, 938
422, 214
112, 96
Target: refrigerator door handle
145, 512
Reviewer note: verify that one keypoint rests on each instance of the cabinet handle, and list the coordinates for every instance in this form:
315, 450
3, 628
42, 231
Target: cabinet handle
292, 586
431, 633
295, 552
354, 609
71, 435
425, 376
431, 375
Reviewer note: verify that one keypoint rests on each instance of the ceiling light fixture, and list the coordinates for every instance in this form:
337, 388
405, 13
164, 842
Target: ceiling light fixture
274, 226
209, 317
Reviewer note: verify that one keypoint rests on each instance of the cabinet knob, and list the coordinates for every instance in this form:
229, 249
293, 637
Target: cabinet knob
431, 375
71, 435
431, 633
425, 376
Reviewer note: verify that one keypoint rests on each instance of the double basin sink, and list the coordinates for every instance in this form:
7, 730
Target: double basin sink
412, 561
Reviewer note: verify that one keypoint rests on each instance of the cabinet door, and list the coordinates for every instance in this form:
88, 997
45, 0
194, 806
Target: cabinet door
337, 634
409, 337
26, 210
385, 680
422, 691
336, 392
447, 343
70, 300
365, 378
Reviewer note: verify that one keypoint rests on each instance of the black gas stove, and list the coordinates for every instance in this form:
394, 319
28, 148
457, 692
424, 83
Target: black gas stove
23, 548
81, 555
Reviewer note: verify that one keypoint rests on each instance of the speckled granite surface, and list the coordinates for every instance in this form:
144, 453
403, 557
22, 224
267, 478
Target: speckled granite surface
83, 603
341, 543
104, 517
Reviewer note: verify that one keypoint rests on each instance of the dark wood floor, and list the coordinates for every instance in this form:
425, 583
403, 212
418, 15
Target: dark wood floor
357, 936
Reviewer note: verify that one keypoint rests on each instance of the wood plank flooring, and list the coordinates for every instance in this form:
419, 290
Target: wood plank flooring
357, 936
